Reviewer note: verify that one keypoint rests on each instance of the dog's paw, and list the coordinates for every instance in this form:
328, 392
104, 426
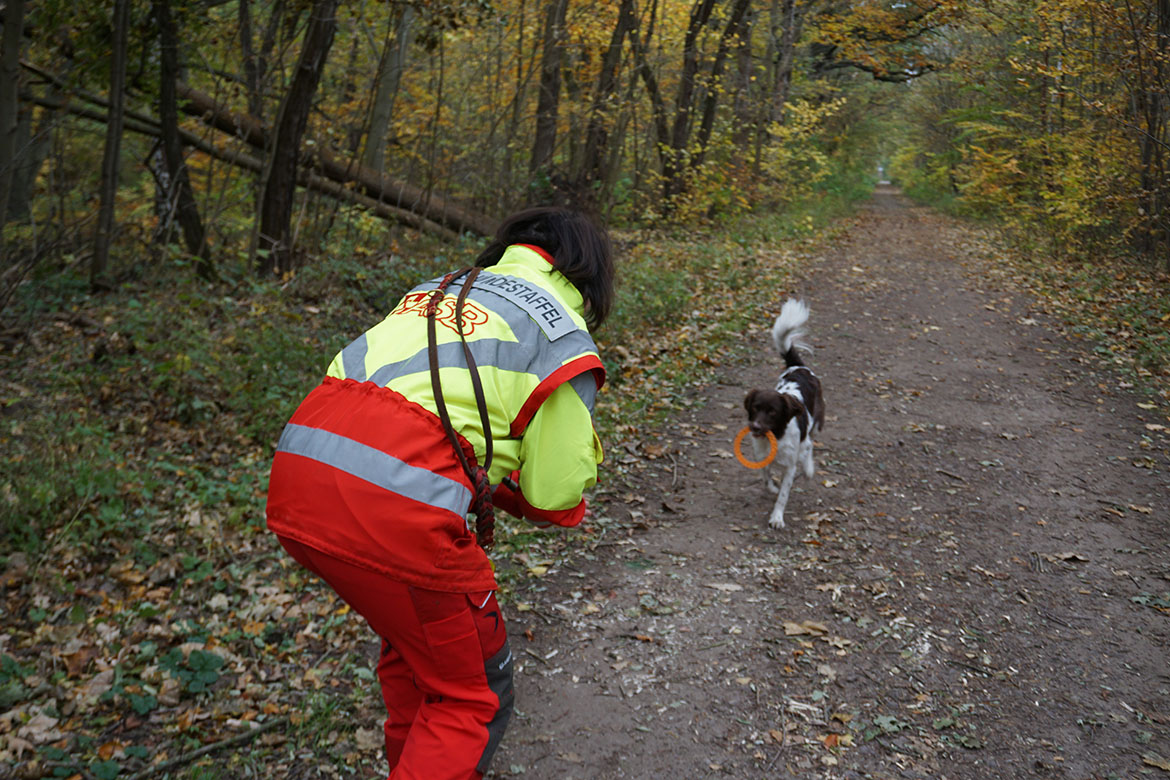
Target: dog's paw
776, 521
772, 487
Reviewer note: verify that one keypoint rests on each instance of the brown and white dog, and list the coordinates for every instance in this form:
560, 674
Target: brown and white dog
792, 411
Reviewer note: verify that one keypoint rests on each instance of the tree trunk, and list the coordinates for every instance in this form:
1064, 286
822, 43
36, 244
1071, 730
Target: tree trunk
389, 79
276, 24
1156, 177
9, 90
110, 158
711, 100
274, 247
597, 132
332, 187
792, 21
747, 96
375, 185
179, 195
548, 102
786, 25
33, 139
674, 161
518, 100
251, 62
653, 93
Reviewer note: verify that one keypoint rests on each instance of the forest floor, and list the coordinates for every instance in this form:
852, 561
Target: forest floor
976, 583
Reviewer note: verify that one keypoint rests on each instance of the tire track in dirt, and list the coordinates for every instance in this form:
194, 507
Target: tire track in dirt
973, 587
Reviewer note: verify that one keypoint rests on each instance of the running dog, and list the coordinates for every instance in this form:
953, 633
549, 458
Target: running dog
791, 412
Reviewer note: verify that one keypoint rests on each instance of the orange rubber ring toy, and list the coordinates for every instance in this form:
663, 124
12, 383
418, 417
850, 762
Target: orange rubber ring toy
754, 464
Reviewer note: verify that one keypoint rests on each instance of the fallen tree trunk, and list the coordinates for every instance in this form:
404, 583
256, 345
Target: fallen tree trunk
144, 125
402, 202
373, 184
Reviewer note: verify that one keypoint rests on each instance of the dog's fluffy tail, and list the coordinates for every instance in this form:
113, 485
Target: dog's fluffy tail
788, 331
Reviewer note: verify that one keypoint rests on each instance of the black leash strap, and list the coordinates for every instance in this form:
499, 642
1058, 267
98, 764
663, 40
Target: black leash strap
481, 502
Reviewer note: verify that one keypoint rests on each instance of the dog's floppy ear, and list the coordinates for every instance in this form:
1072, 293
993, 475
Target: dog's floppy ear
749, 400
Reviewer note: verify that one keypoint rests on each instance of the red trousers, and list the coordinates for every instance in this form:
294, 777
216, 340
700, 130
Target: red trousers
445, 669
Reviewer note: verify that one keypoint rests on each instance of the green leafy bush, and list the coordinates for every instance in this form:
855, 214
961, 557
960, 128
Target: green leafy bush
197, 672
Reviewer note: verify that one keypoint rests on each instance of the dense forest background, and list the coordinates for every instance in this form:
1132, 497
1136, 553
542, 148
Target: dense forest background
257, 137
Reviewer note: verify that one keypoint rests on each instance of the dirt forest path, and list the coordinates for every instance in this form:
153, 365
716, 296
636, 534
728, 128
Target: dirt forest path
975, 585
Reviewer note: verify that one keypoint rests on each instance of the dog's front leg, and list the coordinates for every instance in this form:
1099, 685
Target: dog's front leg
806, 457
760, 448
777, 518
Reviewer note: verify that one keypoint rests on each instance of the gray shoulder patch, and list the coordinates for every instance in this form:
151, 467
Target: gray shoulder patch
544, 309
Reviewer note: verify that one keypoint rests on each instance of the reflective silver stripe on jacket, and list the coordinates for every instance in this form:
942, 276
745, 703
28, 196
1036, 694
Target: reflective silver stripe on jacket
376, 467
534, 304
529, 354
353, 358
541, 305
586, 387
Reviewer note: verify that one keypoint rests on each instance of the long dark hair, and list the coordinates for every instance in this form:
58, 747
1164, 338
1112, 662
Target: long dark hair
580, 249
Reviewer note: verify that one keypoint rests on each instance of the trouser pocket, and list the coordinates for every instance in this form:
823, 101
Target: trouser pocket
450, 633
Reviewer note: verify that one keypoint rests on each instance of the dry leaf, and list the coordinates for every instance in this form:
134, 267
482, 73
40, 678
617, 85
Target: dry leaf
807, 627
726, 587
16, 748
369, 739
75, 663
40, 729
1153, 759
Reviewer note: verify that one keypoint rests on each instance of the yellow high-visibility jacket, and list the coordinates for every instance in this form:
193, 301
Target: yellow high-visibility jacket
364, 471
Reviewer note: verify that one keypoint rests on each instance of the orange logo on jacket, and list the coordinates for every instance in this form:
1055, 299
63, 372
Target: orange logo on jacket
417, 303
